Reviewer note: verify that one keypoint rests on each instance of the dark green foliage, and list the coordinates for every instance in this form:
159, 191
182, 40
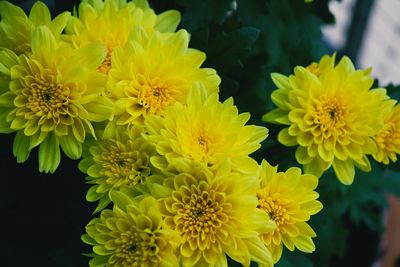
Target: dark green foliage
393, 91
201, 13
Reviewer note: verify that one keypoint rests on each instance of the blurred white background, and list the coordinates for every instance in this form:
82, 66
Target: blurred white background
380, 45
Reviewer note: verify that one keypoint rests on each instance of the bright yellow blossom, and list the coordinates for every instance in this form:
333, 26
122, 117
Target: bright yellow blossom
331, 114
204, 131
388, 138
153, 72
216, 216
116, 160
289, 199
16, 28
132, 234
54, 96
111, 22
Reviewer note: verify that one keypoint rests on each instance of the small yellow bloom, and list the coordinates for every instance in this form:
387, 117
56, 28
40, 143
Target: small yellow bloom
116, 160
16, 29
112, 21
331, 114
132, 234
216, 216
54, 97
388, 138
204, 131
289, 199
153, 72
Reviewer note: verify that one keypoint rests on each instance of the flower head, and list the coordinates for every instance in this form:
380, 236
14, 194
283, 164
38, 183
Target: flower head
120, 159
154, 71
97, 23
16, 29
289, 199
204, 131
54, 96
216, 216
388, 138
331, 114
132, 234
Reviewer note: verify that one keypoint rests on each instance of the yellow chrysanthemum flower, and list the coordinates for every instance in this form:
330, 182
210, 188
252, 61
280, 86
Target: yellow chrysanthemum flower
132, 234
289, 199
204, 131
54, 96
120, 159
332, 116
16, 28
388, 138
153, 72
97, 23
216, 216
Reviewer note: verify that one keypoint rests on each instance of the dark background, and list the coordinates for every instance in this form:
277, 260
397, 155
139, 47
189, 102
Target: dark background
43, 215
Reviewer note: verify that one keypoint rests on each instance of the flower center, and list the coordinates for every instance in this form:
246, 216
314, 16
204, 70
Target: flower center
123, 165
200, 147
46, 98
154, 95
137, 248
200, 216
106, 65
276, 210
329, 115
387, 135
204, 142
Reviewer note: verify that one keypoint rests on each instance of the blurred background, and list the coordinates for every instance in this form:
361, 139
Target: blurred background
369, 32
43, 216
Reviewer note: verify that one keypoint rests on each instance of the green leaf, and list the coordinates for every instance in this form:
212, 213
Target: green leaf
226, 51
393, 91
200, 13
250, 11
391, 182
294, 259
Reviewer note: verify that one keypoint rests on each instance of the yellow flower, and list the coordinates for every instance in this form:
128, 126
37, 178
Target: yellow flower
132, 234
153, 72
120, 159
331, 114
216, 216
204, 131
388, 138
16, 28
97, 22
54, 96
289, 200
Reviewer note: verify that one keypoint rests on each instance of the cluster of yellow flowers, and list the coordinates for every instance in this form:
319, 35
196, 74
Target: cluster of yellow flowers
116, 85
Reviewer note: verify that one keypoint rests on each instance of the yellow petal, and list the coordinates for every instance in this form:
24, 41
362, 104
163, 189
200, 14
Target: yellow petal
285, 138
168, 21
49, 154
344, 171
40, 14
